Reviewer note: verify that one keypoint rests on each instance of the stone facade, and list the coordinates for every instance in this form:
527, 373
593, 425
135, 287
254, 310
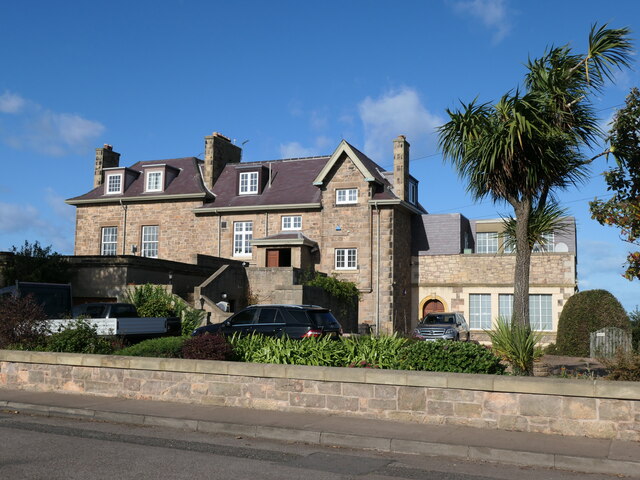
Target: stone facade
179, 229
446, 271
405, 257
379, 231
553, 406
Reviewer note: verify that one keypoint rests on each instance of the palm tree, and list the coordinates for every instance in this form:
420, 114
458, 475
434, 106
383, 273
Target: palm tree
529, 145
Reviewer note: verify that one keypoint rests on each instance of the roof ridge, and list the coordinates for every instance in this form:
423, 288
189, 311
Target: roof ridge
316, 157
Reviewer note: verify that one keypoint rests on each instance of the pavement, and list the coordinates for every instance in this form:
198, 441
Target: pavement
580, 454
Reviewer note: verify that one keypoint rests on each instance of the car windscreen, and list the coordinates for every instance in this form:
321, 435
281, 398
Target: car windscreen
323, 318
89, 311
437, 319
123, 311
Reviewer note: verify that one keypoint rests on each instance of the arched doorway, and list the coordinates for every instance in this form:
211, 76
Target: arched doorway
432, 306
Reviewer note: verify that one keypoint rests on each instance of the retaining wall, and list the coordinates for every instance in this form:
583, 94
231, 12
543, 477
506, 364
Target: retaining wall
592, 408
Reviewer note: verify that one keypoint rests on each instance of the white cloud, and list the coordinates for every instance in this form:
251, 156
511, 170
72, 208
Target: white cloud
318, 120
601, 267
396, 113
11, 102
37, 128
492, 13
57, 205
16, 218
26, 222
296, 150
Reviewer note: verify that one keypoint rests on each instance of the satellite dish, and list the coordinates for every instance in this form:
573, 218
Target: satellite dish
561, 247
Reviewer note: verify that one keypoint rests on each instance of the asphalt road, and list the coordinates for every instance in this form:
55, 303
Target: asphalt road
34, 447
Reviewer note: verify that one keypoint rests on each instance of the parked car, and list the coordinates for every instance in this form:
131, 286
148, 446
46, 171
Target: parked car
443, 326
120, 319
294, 321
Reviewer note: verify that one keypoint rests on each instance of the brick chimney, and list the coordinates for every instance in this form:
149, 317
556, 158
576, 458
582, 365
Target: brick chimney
218, 151
105, 158
401, 167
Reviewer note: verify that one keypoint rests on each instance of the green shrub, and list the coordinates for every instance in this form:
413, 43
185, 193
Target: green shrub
22, 322
309, 351
341, 289
190, 317
162, 347
151, 301
154, 301
207, 347
587, 312
516, 345
624, 366
378, 352
447, 356
78, 337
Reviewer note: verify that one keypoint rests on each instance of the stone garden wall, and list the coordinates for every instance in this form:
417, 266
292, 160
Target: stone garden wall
592, 408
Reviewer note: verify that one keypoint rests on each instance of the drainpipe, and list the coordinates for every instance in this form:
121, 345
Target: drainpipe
377, 270
124, 229
219, 233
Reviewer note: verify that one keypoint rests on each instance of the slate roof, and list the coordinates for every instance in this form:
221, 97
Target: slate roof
440, 234
188, 181
291, 183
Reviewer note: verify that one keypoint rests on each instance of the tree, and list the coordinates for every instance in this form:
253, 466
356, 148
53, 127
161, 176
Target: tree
529, 145
35, 263
584, 313
623, 208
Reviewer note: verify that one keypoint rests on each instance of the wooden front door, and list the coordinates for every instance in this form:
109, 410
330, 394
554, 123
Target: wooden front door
273, 258
432, 306
279, 257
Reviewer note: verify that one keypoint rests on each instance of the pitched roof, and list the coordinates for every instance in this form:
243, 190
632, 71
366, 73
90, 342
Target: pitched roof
290, 184
369, 169
188, 182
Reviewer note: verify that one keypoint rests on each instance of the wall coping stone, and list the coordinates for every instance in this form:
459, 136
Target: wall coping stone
490, 383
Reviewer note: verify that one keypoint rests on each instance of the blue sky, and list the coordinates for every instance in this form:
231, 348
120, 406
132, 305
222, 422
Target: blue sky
292, 78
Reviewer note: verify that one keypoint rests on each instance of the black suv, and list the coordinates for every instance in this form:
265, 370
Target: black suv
294, 321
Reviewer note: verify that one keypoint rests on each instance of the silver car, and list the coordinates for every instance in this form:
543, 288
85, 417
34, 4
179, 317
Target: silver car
443, 326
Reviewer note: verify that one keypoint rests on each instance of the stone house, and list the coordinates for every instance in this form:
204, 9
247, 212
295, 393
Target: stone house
465, 266
340, 214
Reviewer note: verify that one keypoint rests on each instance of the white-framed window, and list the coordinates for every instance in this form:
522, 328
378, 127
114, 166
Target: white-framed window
242, 236
413, 193
248, 183
480, 311
109, 242
154, 182
487, 242
346, 195
547, 243
346, 258
540, 312
292, 222
150, 241
506, 247
505, 306
114, 183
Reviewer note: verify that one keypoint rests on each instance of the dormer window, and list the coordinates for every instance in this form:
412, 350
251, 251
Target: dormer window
248, 183
114, 183
154, 181
413, 192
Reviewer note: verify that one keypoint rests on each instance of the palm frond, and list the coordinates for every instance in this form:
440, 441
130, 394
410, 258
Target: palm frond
550, 218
